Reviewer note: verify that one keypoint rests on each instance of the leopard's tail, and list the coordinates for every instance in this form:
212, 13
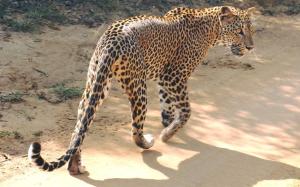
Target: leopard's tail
97, 86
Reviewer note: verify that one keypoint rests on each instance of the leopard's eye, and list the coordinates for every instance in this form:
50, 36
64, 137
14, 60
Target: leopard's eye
241, 32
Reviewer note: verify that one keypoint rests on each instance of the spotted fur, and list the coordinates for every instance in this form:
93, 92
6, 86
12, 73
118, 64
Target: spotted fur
166, 49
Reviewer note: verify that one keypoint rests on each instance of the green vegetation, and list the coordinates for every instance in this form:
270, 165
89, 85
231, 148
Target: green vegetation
5, 134
14, 97
65, 93
38, 133
15, 134
108, 4
29, 16
42, 13
22, 25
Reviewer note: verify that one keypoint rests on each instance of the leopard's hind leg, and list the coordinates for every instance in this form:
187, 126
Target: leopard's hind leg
138, 101
131, 73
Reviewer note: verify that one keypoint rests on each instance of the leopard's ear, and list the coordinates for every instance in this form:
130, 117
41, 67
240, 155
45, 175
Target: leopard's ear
226, 16
251, 10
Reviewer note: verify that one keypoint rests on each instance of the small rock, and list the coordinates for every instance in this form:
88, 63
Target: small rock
37, 40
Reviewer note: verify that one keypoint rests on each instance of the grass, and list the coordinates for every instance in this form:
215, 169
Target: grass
42, 13
2, 10
5, 134
29, 18
22, 25
110, 5
15, 134
14, 97
38, 133
65, 93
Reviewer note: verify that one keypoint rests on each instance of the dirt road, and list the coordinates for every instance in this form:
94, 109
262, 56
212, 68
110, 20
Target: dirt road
244, 129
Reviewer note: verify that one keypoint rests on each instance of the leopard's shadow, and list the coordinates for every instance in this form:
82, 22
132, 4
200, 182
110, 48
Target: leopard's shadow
211, 166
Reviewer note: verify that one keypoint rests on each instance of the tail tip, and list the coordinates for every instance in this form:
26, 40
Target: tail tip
36, 147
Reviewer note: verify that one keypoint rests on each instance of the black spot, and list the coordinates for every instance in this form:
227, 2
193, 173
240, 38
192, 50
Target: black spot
83, 129
51, 168
53, 164
35, 156
132, 102
126, 81
90, 112
84, 122
103, 69
134, 114
61, 163
93, 101
46, 166
164, 115
110, 50
71, 151
99, 79
185, 110
67, 157
102, 95
77, 143
96, 88
113, 54
39, 161
135, 125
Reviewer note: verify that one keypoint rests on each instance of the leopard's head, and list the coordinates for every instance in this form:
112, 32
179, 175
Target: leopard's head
236, 29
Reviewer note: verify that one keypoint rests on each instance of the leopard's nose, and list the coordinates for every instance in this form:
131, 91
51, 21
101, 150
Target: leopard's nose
249, 47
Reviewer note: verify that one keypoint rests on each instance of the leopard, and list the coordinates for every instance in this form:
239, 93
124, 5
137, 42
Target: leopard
166, 49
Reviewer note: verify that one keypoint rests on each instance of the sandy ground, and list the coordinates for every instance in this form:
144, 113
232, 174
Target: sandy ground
244, 129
